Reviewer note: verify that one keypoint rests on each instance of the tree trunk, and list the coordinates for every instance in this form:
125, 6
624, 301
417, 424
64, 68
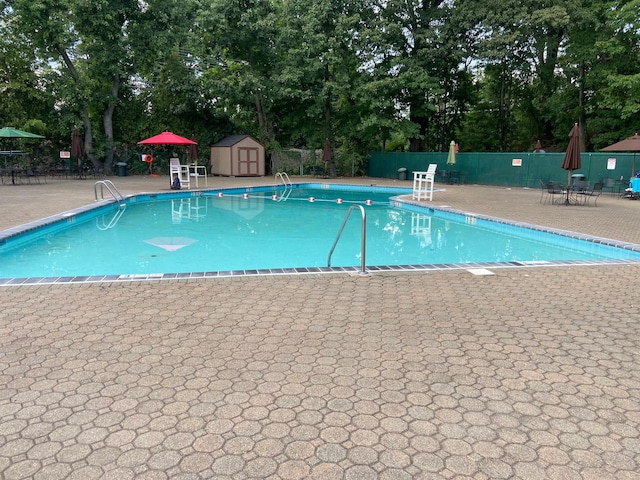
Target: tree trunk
107, 122
266, 129
418, 144
582, 121
86, 120
504, 114
88, 135
264, 123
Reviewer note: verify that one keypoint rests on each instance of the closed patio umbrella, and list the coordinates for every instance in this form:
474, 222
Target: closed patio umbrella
630, 144
451, 158
326, 156
77, 150
572, 159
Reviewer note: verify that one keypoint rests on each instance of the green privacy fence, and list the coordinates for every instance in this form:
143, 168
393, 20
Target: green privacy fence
505, 169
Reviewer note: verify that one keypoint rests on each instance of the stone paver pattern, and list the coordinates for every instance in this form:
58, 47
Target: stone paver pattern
530, 373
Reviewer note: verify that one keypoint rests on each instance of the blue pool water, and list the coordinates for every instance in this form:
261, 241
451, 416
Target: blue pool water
206, 232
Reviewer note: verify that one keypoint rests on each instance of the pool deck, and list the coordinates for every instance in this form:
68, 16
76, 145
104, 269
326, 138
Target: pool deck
530, 373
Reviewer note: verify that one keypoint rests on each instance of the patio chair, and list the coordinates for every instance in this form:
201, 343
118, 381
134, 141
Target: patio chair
543, 188
33, 173
181, 172
553, 190
442, 176
609, 184
593, 193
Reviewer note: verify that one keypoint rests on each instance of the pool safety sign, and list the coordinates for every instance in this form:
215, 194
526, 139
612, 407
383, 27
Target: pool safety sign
65, 154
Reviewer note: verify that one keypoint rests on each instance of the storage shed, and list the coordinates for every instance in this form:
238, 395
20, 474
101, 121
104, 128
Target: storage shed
237, 156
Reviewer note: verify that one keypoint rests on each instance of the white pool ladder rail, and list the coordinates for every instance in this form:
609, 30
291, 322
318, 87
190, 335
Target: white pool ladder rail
284, 177
288, 186
113, 190
363, 241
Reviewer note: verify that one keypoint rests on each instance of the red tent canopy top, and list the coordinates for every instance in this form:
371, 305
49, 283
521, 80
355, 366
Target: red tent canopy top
167, 138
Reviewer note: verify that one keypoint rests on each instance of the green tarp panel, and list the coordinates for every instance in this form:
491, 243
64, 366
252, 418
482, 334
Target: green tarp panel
515, 169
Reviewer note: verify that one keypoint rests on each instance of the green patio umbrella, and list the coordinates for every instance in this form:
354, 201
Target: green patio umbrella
10, 132
451, 158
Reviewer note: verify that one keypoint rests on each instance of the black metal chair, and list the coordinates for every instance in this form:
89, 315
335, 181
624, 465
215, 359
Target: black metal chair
609, 184
593, 193
552, 189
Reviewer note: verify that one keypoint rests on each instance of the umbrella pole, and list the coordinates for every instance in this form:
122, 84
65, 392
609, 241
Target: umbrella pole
566, 202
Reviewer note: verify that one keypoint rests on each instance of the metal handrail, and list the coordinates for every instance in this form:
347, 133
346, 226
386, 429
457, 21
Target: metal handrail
288, 188
113, 190
284, 177
363, 242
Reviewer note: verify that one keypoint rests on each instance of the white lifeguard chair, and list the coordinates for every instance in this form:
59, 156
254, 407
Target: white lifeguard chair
423, 183
176, 170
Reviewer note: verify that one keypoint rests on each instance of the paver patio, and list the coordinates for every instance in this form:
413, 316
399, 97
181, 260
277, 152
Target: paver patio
529, 373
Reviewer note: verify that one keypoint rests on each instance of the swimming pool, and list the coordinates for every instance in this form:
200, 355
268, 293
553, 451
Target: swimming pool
269, 230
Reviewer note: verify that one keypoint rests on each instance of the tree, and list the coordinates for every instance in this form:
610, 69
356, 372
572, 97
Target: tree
614, 84
101, 45
239, 40
422, 52
25, 95
49, 27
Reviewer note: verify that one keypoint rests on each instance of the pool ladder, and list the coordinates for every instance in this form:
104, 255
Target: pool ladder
108, 184
363, 241
288, 186
284, 177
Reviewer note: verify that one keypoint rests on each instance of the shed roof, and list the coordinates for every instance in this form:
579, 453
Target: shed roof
230, 140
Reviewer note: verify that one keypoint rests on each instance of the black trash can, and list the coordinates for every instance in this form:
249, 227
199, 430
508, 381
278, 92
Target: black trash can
402, 173
122, 169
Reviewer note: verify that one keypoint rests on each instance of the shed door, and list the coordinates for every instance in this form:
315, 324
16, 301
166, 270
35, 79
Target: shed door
248, 161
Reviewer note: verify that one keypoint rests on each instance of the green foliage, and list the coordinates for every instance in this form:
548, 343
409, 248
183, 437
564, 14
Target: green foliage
496, 75
350, 163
